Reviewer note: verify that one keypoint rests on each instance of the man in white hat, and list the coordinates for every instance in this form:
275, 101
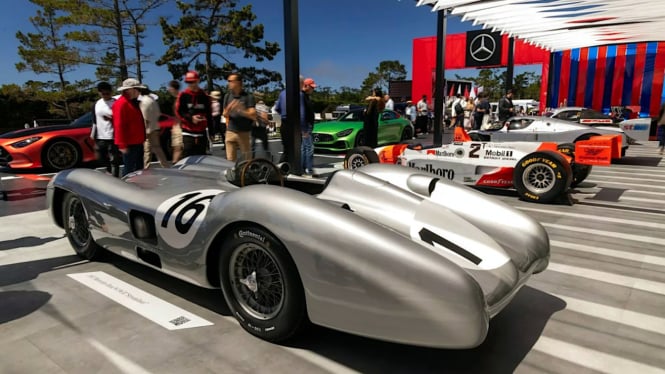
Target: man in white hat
129, 125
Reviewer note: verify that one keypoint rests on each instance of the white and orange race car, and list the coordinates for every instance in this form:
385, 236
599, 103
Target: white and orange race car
540, 171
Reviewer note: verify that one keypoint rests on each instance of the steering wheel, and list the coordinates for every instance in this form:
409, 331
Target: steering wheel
260, 171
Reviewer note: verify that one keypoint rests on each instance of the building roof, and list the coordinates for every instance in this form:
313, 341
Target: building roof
564, 24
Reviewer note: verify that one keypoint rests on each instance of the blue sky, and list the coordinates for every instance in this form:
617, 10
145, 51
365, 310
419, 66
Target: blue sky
341, 41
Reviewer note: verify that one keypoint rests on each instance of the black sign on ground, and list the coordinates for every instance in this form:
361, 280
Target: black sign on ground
483, 48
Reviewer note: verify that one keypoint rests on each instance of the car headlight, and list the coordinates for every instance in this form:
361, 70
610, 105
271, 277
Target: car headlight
344, 133
25, 142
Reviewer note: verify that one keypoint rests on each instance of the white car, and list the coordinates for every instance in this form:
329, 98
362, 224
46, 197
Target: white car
546, 129
581, 115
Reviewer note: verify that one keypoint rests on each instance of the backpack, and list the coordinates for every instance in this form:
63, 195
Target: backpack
458, 108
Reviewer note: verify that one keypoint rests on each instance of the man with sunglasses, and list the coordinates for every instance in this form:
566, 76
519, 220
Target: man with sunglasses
240, 113
194, 109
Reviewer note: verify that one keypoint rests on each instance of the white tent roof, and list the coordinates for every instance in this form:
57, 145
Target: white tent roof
564, 24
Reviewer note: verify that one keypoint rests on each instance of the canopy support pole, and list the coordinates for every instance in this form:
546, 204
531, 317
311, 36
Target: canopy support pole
292, 71
510, 71
439, 81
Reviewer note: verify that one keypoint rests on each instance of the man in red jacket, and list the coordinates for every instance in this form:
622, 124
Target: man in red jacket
129, 126
194, 109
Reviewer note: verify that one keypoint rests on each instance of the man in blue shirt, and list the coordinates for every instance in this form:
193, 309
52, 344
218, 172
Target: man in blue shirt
286, 132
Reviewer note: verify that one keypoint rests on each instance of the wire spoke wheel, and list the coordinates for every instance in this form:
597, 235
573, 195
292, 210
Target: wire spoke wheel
78, 223
539, 178
257, 282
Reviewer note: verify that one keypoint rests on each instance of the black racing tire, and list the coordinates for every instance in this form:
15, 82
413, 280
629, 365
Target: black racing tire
61, 154
360, 139
359, 157
261, 284
406, 134
584, 137
580, 172
76, 225
542, 176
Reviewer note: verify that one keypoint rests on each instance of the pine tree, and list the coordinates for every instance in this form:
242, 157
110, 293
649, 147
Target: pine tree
216, 31
47, 51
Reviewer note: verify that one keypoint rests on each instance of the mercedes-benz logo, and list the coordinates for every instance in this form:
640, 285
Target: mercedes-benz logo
316, 138
482, 47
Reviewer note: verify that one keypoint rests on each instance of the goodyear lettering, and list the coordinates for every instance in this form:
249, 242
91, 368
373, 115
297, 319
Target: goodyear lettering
446, 173
531, 196
530, 161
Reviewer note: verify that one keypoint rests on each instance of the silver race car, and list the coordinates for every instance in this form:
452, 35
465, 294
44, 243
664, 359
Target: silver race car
545, 129
385, 252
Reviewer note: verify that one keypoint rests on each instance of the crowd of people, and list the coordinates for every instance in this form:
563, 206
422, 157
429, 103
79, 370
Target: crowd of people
126, 126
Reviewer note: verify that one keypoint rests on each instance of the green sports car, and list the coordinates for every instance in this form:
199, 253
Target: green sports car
346, 132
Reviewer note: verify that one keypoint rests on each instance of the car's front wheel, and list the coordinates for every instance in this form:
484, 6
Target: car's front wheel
61, 154
261, 284
77, 228
542, 176
359, 157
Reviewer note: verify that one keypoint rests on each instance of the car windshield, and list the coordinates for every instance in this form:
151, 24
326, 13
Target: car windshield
519, 123
353, 116
85, 119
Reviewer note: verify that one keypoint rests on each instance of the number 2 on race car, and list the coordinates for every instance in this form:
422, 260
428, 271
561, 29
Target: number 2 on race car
475, 148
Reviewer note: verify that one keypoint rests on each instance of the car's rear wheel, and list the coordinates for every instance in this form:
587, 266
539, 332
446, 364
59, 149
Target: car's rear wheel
580, 172
359, 157
77, 228
261, 284
542, 176
61, 154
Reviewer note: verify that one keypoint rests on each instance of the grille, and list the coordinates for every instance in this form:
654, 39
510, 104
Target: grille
320, 138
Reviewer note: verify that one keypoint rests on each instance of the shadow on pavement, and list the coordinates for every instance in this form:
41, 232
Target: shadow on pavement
26, 271
511, 336
638, 161
18, 304
28, 241
211, 299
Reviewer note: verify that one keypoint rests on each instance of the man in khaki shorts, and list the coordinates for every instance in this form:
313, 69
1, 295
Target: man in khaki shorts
151, 114
239, 110
177, 145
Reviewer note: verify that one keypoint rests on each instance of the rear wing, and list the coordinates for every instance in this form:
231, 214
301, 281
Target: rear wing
598, 150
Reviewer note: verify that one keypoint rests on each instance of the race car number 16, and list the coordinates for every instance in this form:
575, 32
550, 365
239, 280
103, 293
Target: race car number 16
179, 218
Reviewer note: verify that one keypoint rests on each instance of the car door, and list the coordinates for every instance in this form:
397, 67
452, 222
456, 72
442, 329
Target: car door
389, 127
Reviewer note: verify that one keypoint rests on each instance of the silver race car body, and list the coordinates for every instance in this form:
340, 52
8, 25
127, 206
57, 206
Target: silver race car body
545, 129
386, 252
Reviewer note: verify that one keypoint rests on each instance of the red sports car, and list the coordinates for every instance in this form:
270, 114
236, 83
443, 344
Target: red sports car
55, 147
